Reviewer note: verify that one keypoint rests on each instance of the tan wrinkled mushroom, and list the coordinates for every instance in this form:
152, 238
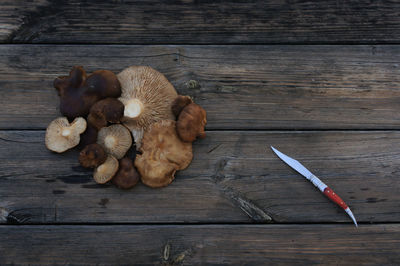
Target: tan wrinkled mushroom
106, 171
191, 122
147, 96
163, 153
115, 139
62, 136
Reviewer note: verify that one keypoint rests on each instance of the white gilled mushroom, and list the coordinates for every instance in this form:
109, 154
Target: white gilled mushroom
106, 171
62, 136
147, 96
115, 139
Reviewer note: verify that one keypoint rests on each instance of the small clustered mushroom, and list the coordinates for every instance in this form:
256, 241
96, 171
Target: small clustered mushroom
137, 127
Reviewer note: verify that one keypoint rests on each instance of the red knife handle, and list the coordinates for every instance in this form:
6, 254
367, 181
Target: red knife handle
335, 198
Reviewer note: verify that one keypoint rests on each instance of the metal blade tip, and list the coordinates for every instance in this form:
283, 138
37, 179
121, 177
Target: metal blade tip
350, 213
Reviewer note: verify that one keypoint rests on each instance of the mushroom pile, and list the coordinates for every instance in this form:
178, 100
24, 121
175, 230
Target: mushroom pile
131, 126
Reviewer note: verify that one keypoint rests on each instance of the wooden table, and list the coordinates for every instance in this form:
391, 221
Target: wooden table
319, 80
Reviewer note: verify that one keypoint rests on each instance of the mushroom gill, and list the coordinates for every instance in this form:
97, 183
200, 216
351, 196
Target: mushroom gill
147, 96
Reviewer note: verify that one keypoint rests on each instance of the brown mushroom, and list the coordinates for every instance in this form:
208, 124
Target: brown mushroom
104, 111
78, 93
147, 96
61, 135
74, 100
163, 153
191, 122
115, 139
92, 156
179, 103
127, 176
106, 171
105, 83
89, 136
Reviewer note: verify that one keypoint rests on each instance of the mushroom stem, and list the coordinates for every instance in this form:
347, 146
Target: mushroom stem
109, 141
65, 132
133, 108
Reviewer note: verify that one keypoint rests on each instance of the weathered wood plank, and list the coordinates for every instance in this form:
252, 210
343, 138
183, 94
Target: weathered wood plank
241, 87
234, 177
200, 245
207, 22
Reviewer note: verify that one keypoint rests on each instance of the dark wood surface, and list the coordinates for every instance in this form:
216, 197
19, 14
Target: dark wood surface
234, 177
201, 244
241, 87
319, 80
206, 22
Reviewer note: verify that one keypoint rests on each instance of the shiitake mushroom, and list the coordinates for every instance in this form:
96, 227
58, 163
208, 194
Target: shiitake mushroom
78, 92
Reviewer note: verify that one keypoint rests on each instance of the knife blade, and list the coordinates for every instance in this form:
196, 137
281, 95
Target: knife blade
296, 165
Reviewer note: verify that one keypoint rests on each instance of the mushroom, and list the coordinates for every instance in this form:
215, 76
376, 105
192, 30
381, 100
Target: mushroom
89, 136
147, 96
104, 111
105, 83
191, 122
61, 135
115, 139
74, 102
163, 153
92, 156
127, 176
78, 92
179, 103
106, 171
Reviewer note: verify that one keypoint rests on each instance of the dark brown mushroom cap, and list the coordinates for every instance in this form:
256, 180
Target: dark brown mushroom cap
104, 111
191, 122
89, 136
105, 83
76, 77
75, 100
179, 103
92, 156
78, 93
127, 176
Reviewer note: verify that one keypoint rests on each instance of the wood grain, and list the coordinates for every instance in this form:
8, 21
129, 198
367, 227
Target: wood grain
200, 245
241, 87
233, 178
194, 22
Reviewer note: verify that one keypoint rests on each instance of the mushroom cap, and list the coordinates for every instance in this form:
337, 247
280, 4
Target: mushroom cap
104, 111
179, 103
92, 156
78, 93
89, 136
105, 83
163, 153
115, 139
106, 171
61, 135
147, 96
76, 77
74, 99
191, 122
127, 176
